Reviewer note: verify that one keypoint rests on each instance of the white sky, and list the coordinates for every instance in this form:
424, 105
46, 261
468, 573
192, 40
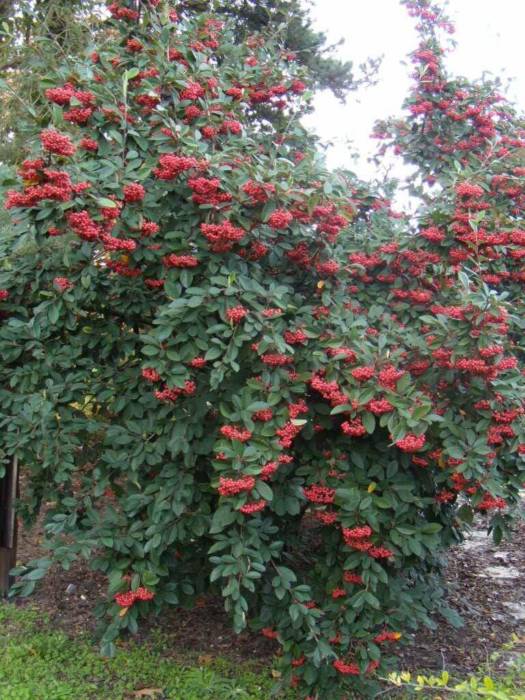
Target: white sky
490, 37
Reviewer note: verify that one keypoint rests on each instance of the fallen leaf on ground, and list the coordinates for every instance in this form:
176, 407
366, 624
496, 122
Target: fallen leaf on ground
148, 693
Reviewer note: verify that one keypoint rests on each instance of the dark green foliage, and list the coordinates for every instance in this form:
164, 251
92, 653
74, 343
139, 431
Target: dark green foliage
290, 19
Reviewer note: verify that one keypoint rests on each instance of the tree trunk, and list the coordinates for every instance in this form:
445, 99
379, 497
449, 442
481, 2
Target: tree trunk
8, 525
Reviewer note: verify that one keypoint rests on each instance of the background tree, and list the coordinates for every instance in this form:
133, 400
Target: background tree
291, 19
36, 33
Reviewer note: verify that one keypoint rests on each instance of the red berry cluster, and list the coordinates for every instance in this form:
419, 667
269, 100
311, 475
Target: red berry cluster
276, 359
171, 165
379, 406
171, 395
207, 191
150, 375
233, 433
280, 219
319, 494
126, 600
222, 236
287, 433
57, 143
254, 507
363, 374
258, 192
353, 427
134, 192
186, 261
232, 487
62, 284
411, 443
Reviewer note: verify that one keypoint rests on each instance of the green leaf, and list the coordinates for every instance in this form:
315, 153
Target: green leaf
451, 616
286, 575
372, 600
213, 353
348, 498
257, 406
264, 490
106, 203
369, 422
108, 649
35, 575
431, 528
150, 351
53, 313
223, 516
131, 73
216, 573
341, 408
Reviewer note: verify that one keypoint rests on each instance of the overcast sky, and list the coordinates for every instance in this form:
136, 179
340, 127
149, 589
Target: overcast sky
490, 38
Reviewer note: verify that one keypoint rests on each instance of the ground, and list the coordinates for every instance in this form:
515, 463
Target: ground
485, 584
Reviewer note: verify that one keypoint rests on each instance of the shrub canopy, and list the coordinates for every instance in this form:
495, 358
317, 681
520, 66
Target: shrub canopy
232, 371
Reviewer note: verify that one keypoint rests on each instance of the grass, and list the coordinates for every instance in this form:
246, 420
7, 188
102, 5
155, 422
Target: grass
39, 664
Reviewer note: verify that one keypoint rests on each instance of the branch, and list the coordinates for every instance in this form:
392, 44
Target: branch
11, 64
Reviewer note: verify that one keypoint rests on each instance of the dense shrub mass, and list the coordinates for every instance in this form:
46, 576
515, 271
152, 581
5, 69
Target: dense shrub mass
232, 371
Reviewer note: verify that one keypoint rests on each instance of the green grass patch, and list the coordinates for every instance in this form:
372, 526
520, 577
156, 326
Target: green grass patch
39, 664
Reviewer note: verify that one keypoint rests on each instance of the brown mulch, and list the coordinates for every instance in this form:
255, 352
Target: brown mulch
488, 605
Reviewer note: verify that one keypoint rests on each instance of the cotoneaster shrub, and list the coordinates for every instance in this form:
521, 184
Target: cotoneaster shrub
231, 371
456, 130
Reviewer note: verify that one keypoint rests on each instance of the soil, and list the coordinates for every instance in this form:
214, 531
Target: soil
485, 583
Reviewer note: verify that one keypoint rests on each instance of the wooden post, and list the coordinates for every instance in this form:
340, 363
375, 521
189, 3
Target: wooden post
8, 525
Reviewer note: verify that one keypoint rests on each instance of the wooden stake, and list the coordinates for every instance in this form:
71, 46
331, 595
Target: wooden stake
8, 525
